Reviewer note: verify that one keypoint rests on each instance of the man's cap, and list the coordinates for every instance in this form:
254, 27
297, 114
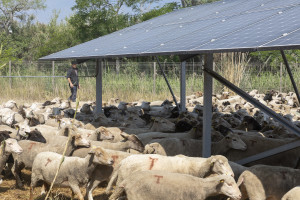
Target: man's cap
74, 62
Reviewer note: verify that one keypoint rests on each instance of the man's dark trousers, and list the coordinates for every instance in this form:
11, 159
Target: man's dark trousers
73, 93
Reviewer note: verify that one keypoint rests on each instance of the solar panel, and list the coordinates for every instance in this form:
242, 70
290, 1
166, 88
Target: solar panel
228, 25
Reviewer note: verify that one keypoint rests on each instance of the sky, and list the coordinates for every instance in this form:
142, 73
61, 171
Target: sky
64, 9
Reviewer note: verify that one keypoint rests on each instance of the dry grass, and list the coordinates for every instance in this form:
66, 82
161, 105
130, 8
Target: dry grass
232, 67
8, 191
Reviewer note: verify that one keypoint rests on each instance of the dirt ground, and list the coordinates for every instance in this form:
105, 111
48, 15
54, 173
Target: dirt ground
8, 190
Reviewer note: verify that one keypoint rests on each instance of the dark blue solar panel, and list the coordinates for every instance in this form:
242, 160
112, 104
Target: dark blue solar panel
221, 26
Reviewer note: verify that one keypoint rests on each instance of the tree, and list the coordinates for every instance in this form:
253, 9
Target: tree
93, 18
188, 3
16, 9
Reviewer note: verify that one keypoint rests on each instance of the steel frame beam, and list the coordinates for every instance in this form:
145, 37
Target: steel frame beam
207, 119
270, 152
99, 64
266, 110
290, 74
183, 87
165, 77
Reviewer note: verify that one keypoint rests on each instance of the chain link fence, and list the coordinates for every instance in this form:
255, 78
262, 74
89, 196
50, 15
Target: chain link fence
129, 81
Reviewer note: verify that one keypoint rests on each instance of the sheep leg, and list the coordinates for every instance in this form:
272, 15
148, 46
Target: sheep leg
31, 193
45, 188
117, 193
75, 189
33, 183
90, 188
16, 170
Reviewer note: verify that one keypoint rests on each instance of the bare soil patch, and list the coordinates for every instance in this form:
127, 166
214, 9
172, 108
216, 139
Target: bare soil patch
8, 190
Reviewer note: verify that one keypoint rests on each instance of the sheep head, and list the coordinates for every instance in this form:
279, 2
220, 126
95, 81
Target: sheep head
101, 156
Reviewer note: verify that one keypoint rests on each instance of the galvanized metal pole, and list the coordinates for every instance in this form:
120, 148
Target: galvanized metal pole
280, 88
154, 78
53, 73
174, 98
290, 74
183, 87
207, 119
99, 64
9, 73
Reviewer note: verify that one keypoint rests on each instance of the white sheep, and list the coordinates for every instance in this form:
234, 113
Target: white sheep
74, 171
155, 185
199, 167
8, 147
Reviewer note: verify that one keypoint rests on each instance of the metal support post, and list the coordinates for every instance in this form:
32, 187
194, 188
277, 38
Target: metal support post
9, 73
99, 64
290, 74
174, 98
53, 73
154, 78
207, 119
182, 87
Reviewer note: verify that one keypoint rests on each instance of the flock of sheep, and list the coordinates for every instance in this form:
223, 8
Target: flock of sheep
150, 150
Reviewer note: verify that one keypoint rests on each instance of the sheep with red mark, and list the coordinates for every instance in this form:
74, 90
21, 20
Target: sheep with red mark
199, 167
128, 142
153, 185
31, 149
74, 171
258, 144
147, 138
192, 147
102, 173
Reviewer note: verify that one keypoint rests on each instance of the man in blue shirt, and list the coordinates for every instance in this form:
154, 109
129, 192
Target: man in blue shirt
73, 80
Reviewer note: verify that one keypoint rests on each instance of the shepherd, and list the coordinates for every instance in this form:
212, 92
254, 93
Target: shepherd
73, 80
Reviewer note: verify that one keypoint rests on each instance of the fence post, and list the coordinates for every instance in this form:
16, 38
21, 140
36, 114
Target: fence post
53, 73
10, 80
154, 78
280, 88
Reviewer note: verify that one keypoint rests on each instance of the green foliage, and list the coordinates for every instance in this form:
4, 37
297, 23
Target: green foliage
274, 58
93, 19
169, 7
54, 37
14, 10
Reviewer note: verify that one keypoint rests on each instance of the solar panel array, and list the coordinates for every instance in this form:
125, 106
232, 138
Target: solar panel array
228, 25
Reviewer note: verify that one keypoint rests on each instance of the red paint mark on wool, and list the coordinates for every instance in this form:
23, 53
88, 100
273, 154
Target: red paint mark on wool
183, 142
283, 174
115, 158
158, 178
89, 134
31, 145
253, 142
152, 162
48, 161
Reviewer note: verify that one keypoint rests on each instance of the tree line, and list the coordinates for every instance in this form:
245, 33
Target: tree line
23, 38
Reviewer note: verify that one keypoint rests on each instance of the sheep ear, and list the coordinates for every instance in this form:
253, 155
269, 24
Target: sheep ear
124, 136
93, 150
240, 181
212, 162
222, 181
